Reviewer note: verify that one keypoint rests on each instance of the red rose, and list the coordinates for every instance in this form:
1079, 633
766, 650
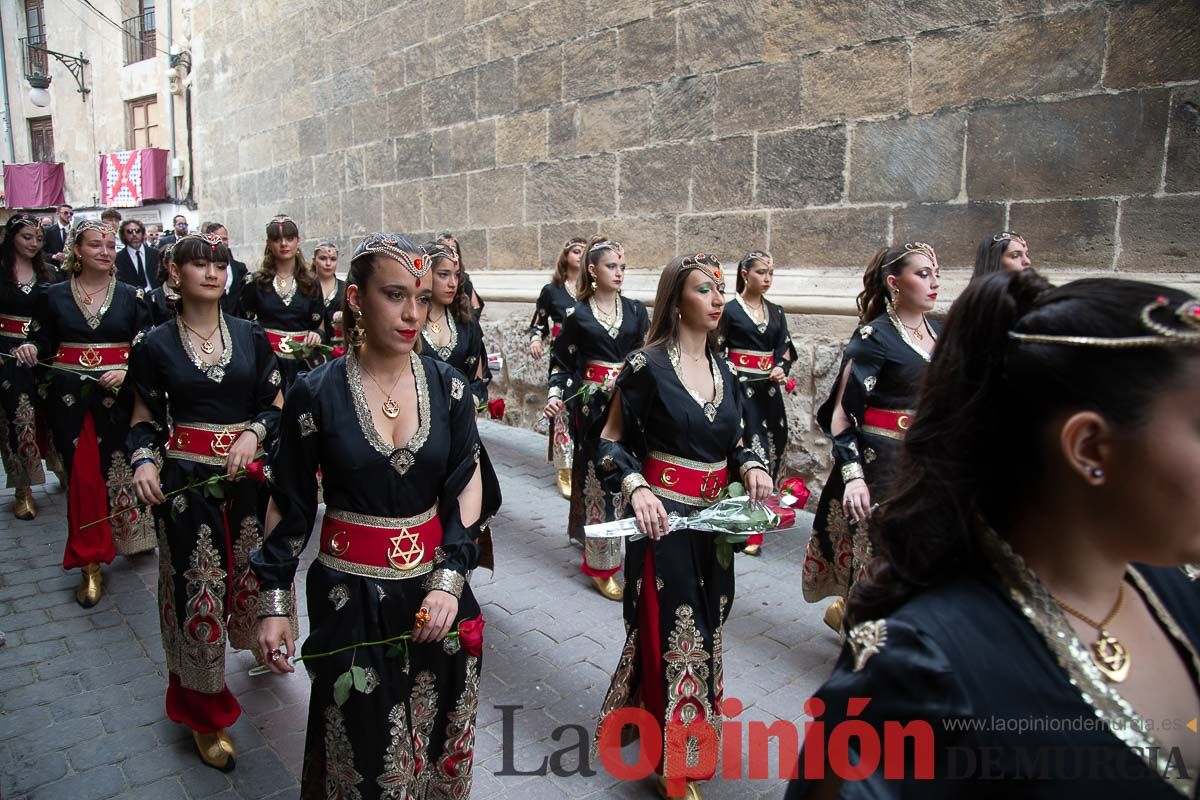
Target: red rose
790, 386
496, 408
337, 352
255, 471
470, 636
796, 488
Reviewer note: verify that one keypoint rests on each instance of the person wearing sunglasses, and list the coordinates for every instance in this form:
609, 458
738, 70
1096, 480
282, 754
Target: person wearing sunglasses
137, 264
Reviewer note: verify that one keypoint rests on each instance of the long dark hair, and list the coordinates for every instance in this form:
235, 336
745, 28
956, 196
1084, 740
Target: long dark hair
591, 256
460, 306
8, 251
559, 278
872, 301
978, 440
991, 250
746, 263
664, 327
362, 267
306, 278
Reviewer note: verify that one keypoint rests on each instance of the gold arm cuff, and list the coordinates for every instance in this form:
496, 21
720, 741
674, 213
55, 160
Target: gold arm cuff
145, 452
556, 392
445, 580
749, 465
274, 603
259, 430
852, 471
631, 483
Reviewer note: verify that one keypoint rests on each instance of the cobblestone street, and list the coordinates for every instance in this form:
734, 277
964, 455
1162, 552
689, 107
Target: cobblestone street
81, 691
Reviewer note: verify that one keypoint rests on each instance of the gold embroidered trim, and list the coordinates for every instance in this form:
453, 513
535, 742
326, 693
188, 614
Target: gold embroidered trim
680, 461
214, 372
445, 580
708, 407
367, 424
93, 320
852, 471
888, 434
258, 429
143, 452
614, 329
631, 483
443, 351
274, 603
891, 312
76, 367
389, 523
749, 465
368, 571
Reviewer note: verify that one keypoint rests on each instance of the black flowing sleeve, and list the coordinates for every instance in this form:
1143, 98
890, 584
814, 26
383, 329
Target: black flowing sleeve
619, 463
246, 306
148, 439
43, 329
266, 388
539, 327
564, 358
479, 382
785, 351
643, 318
143, 314
891, 674
864, 357
293, 480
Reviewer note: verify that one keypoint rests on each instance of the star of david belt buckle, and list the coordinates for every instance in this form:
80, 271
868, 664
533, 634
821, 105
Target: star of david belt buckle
710, 486
221, 442
90, 358
764, 363
285, 345
407, 552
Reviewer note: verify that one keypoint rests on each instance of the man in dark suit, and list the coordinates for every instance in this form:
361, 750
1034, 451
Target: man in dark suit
235, 275
179, 229
137, 264
56, 235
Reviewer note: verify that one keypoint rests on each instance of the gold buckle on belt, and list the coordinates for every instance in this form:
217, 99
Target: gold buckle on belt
90, 357
408, 549
222, 441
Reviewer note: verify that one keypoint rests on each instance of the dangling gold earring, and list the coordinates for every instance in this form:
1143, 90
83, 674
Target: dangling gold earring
358, 334
593, 284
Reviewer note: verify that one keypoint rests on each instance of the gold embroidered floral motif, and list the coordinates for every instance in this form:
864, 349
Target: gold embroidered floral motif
637, 361
618, 690
865, 640
275, 378
202, 640
454, 768
456, 388
28, 461
341, 778
243, 616
687, 673
719, 653
308, 425
339, 595
133, 531
396, 780
423, 705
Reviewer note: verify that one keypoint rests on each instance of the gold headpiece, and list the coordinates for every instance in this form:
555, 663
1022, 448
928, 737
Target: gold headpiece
91, 225
606, 244
707, 263
280, 219
388, 244
1009, 236
325, 244
436, 250
27, 219
1188, 314
569, 243
915, 247
755, 255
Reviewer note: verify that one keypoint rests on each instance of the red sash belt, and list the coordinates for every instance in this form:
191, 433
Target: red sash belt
684, 480
87, 357
598, 371
285, 343
207, 444
886, 422
380, 547
755, 361
16, 327
557, 329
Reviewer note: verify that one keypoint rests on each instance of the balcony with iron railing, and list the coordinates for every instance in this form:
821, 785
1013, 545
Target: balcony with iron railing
140, 41
34, 56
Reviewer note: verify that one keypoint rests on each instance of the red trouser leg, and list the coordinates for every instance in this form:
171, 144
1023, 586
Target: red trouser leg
87, 500
650, 645
201, 711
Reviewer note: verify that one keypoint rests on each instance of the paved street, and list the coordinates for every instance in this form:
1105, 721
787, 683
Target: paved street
81, 691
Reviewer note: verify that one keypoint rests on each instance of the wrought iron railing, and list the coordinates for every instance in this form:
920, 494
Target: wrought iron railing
34, 58
140, 36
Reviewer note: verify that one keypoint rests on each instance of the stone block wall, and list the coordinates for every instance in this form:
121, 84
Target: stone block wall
819, 130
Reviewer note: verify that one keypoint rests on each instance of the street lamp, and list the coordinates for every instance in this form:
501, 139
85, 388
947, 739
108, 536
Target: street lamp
37, 70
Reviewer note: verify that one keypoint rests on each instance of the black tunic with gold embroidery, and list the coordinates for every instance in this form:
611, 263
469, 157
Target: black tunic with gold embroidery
766, 426
585, 340
464, 352
206, 592
409, 731
333, 305
886, 367
548, 316
300, 313
987, 675
22, 441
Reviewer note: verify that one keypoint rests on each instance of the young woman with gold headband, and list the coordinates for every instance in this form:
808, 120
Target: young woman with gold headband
1001, 252
162, 299
25, 277
871, 406
407, 486
87, 326
555, 299
598, 332
206, 403
757, 343
284, 297
452, 333
1032, 557
671, 441
333, 288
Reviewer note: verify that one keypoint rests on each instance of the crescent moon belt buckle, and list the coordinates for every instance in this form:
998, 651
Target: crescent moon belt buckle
667, 476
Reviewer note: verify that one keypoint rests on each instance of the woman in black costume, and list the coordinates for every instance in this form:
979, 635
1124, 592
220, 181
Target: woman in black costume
452, 333
1001, 252
671, 441
870, 407
759, 347
407, 485
87, 325
599, 331
283, 296
206, 402
556, 298
1029, 556
333, 289
25, 276
162, 298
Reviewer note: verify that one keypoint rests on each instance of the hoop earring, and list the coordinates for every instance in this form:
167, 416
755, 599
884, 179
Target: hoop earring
358, 334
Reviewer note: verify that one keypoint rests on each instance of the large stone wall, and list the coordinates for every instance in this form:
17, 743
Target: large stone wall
818, 129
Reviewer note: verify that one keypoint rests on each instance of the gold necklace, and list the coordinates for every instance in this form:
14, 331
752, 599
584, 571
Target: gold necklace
1110, 656
206, 344
89, 297
391, 409
608, 318
285, 294
915, 331
434, 324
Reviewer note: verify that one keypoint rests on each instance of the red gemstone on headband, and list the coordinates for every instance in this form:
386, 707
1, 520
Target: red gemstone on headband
1161, 299
416, 263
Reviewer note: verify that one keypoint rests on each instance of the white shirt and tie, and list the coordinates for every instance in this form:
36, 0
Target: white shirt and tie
136, 255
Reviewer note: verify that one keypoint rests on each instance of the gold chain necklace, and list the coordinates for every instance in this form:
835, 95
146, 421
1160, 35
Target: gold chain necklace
917, 330
1110, 656
89, 297
391, 409
206, 344
285, 295
435, 326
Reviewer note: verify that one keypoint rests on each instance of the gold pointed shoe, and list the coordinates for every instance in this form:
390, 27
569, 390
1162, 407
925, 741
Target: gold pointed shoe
834, 614
89, 591
753, 550
609, 588
216, 750
23, 506
564, 483
690, 792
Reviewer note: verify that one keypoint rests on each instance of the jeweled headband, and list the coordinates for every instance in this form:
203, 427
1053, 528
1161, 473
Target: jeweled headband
92, 225
1009, 236
569, 243
707, 263
1188, 313
436, 250
606, 244
388, 244
325, 244
280, 219
915, 247
27, 219
755, 255
210, 239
